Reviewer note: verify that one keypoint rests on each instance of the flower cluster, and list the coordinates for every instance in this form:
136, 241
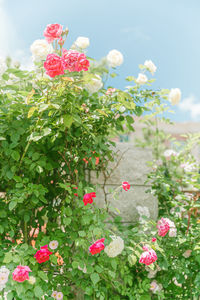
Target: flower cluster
57, 295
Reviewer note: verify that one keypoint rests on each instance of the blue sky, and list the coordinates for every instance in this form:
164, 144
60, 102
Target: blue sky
167, 32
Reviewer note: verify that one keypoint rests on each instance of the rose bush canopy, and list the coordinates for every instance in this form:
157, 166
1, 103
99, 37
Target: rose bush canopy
57, 124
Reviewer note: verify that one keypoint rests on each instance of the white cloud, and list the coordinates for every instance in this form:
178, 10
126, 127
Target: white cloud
7, 32
136, 32
9, 40
191, 105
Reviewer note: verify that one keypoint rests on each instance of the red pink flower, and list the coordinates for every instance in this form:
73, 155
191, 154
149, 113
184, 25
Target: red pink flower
163, 227
148, 257
21, 273
97, 247
88, 198
126, 186
75, 61
43, 254
54, 65
53, 32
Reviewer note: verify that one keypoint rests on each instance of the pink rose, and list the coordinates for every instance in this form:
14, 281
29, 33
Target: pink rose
163, 227
154, 239
148, 257
126, 186
110, 91
43, 254
21, 273
53, 32
97, 247
82, 63
54, 65
88, 198
75, 61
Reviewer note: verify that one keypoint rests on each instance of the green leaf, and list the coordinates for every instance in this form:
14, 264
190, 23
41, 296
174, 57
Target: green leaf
15, 155
9, 296
145, 297
3, 213
38, 292
53, 259
95, 278
67, 120
31, 111
12, 205
82, 233
43, 275
8, 258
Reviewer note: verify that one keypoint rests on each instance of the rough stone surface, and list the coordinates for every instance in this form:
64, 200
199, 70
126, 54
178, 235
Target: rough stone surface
132, 168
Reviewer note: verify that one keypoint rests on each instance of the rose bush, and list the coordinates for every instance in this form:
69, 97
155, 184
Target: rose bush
54, 131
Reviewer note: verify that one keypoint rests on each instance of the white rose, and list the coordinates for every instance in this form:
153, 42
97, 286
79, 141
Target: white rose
175, 96
40, 49
3, 278
32, 280
114, 58
169, 152
150, 66
188, 167
82, 42
115, 247
59, 296
94, 85
155, 287
172, 232
53, 245
3, 66
141, 79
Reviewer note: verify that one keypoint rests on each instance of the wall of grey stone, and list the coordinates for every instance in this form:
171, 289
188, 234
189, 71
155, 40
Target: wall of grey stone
132, 168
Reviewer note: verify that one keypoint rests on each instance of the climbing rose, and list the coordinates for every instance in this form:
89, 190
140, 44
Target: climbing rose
82, 42
40, 49
21, 273
54, 65
75, 61
97, 247
59, 296
53, 245
126, 186
75, 188
53, 32
154, 239
141, 79
155, 287
163, 226
148, 257
114, 58
42, 255
150, 66
175, 96
88, 198
115, 247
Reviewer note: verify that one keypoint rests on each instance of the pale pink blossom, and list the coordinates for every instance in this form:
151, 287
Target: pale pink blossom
163, 227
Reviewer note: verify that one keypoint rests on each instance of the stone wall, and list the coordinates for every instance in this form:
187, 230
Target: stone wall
132, 168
